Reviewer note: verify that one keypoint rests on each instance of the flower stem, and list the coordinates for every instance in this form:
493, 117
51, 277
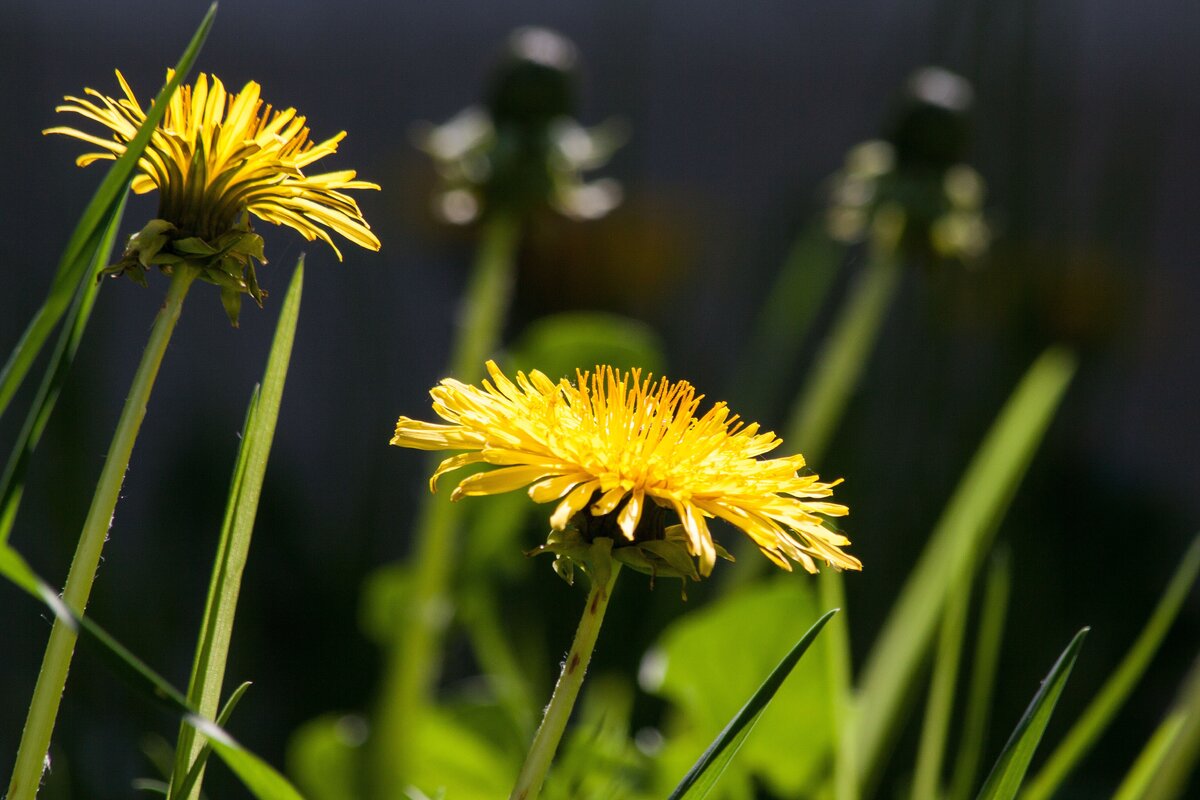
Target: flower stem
52, 678
554, 722
412, 667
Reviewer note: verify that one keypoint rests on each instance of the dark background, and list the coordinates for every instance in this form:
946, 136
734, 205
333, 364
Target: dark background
1087, 122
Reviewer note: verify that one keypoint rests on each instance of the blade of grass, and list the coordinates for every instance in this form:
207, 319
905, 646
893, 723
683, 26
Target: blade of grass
216, 630
84, 242
1005, 779
932, 749
1116, 690
955, 549
12, 484
1162, 768
705, 773
262, 780
983, 676
197, 767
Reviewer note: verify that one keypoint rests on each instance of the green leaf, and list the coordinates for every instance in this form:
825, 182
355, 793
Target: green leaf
1118, 687
705, 773
562, 343
197, 768
12, 484
1006, 776
983, 675
324, 756
85, 241
954, 551
263, 781
1163, 767
216, 630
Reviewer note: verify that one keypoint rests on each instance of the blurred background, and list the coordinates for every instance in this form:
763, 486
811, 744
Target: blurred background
1085, 124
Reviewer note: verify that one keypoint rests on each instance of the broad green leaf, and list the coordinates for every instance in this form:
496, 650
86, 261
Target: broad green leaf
1118, 687
1005, 779
705, 773
560, 344
953, 553
705, 660
324, 756
216, 630
263, 781
85, 241
12, 484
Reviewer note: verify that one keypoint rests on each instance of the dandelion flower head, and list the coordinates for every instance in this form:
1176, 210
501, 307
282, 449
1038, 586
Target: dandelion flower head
614, 447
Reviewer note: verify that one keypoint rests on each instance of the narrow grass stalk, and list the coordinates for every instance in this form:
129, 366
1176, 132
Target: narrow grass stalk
985, 660
52, 678
788, 313
1116, 690
932, 749
216, 629
12, 484
413, 663
1162, 769
554, 722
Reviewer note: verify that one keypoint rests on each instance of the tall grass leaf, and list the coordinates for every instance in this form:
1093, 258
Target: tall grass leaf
12, 484
1163, 767
86, 238
1118, 687
705, 773
262, 780
197, 767
954, 550
1006, 776
990, 632
216, 630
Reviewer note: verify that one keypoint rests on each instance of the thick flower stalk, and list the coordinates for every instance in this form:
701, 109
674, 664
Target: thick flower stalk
613, 451
216, 159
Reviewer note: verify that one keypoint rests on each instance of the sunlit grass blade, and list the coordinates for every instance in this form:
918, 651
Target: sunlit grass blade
12, 484
954, 550
787, 315
1005, 779
1162, 768
216, 630
705, 773
1118, 687
932, 749
989, 633
262, 780
81, 248
197, 767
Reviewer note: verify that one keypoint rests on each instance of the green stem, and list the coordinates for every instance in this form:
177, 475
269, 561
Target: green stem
52, 678
413, 662
554, 722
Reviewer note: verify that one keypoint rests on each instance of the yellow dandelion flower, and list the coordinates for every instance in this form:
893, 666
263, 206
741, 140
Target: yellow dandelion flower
215, 157
614, 450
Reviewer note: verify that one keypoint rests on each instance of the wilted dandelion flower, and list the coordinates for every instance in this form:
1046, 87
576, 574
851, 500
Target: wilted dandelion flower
215, 158
617, 452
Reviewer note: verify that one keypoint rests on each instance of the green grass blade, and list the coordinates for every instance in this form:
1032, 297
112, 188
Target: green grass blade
1162, 769
12, 484
197, 767
84, 242
1006, 776
705, 773
932, 749
983, 676
262, 780
216, 630
954, 550
1118, 687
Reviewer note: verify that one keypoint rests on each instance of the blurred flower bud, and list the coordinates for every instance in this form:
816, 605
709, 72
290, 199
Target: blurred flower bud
915, 178
525, 150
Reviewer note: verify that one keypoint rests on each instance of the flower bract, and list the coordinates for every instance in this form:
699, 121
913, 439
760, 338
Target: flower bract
615, 451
